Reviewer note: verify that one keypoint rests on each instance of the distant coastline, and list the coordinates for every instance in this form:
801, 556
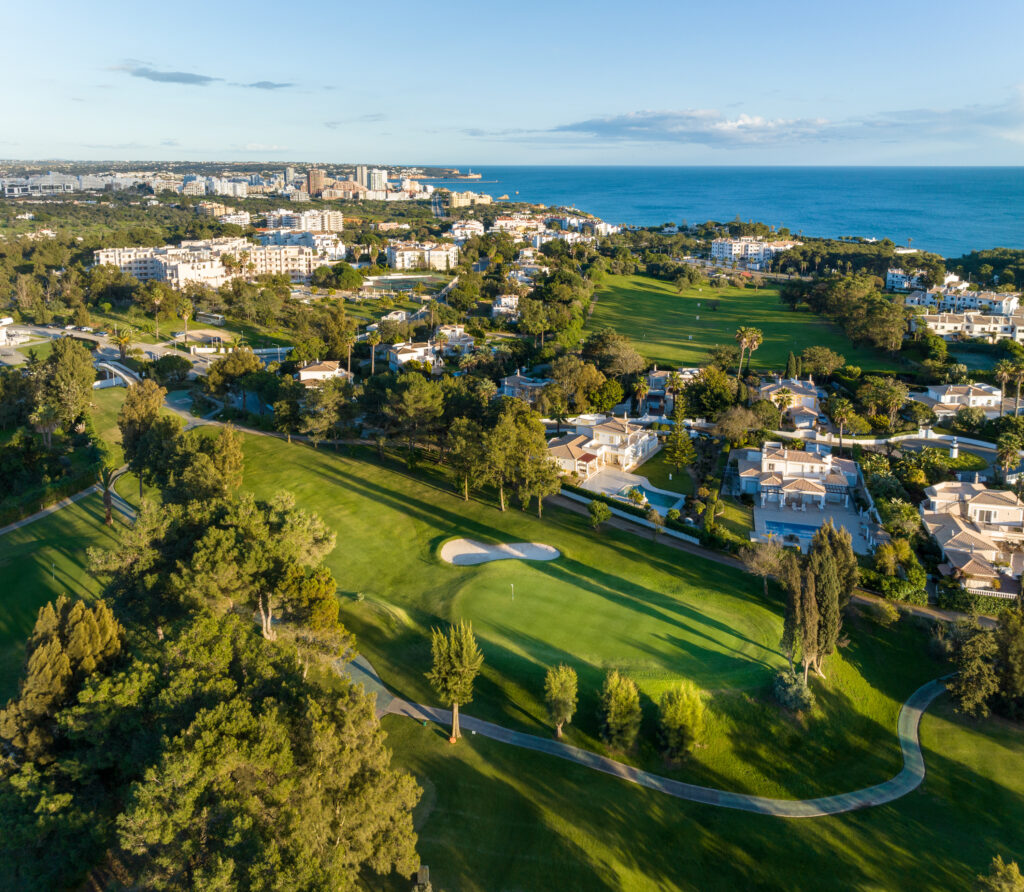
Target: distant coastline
948, 210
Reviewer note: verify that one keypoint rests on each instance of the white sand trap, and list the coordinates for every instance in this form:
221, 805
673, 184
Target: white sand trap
463, 552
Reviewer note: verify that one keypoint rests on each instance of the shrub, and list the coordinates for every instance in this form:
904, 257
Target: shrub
791, 692
885, 613
681, 718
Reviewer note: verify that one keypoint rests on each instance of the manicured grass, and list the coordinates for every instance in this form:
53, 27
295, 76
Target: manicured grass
493, 817
657, 470
737, 518
106, 404
41, 349
664, 327
39, 562
612, 600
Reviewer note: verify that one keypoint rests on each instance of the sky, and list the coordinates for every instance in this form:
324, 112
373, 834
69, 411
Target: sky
792, 82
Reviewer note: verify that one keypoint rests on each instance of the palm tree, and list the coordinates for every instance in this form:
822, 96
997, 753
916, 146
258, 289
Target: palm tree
105, 481
122, 339
783, 399
373, 339
643, 388
743, 339
1018, 379
185, 312
1007, 453
348, 341
157, 300
45, 420
841, 411
754, 338
1004, 373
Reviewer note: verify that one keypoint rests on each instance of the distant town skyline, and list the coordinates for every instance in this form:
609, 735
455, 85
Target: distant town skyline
649, 83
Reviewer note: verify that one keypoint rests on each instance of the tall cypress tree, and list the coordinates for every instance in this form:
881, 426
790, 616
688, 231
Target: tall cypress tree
823, 566
846, 561
808, 623
791, 365
789, 577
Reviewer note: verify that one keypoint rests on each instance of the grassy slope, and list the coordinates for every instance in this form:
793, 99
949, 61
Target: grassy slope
611, 600
494, 818
660, 321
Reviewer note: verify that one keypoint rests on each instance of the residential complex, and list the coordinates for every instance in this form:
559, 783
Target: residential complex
980, 533
1001, 303
202, 261
426, 255
752, 252
308, 221
965, 326
901, 280
798, 400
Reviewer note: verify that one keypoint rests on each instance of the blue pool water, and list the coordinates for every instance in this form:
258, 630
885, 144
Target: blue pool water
657, 499
785, 528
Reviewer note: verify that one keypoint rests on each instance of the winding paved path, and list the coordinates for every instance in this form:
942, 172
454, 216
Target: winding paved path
905, 782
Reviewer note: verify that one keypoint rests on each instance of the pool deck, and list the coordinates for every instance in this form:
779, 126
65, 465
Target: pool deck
612, 481
815, 517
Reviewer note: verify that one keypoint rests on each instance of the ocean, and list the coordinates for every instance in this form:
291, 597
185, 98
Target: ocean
948, 210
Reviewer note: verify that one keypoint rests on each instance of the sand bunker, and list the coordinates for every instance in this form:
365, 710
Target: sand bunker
462, 552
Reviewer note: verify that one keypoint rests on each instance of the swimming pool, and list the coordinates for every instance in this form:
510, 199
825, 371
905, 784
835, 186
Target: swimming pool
657, 498
785, 528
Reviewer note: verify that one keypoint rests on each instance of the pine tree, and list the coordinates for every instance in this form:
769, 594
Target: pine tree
456, 664
679, 451
620, 703
560, 687
975, 682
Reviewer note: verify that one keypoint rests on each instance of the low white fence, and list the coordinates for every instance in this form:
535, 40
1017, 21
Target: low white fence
576, 497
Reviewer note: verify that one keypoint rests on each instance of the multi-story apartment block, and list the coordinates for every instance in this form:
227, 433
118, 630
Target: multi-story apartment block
751, 251
309, 221
996, 303
378, 181
429, 255
316, 179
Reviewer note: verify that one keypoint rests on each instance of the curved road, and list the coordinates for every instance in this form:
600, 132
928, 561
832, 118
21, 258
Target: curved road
905, 782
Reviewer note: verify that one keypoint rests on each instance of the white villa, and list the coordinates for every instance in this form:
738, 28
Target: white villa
797, 492
456, 339
401, 353
980, 532
506, 305
658, 381
313, 373
795, 479
945, 399
803, 409
599, 441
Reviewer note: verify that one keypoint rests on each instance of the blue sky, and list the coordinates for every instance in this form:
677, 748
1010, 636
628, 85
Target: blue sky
896, 82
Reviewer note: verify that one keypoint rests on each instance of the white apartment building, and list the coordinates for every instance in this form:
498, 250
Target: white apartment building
901, 280
463, 230
520, 223
308, 221
429, 255
995, 303
378, 180
327, 244
751, 251
963, 326
238, 218
194, 187
202, 261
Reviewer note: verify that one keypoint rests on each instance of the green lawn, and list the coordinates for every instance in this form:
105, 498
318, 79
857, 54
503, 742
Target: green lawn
496, 818
612, 600
657, 470
664, 327
106, 404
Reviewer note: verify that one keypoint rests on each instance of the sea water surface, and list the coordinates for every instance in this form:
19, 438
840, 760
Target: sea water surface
949, 210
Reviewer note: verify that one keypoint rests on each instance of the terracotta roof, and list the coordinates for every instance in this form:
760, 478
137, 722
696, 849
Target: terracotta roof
801, 484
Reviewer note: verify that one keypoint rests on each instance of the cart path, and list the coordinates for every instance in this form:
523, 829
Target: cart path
906, 781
